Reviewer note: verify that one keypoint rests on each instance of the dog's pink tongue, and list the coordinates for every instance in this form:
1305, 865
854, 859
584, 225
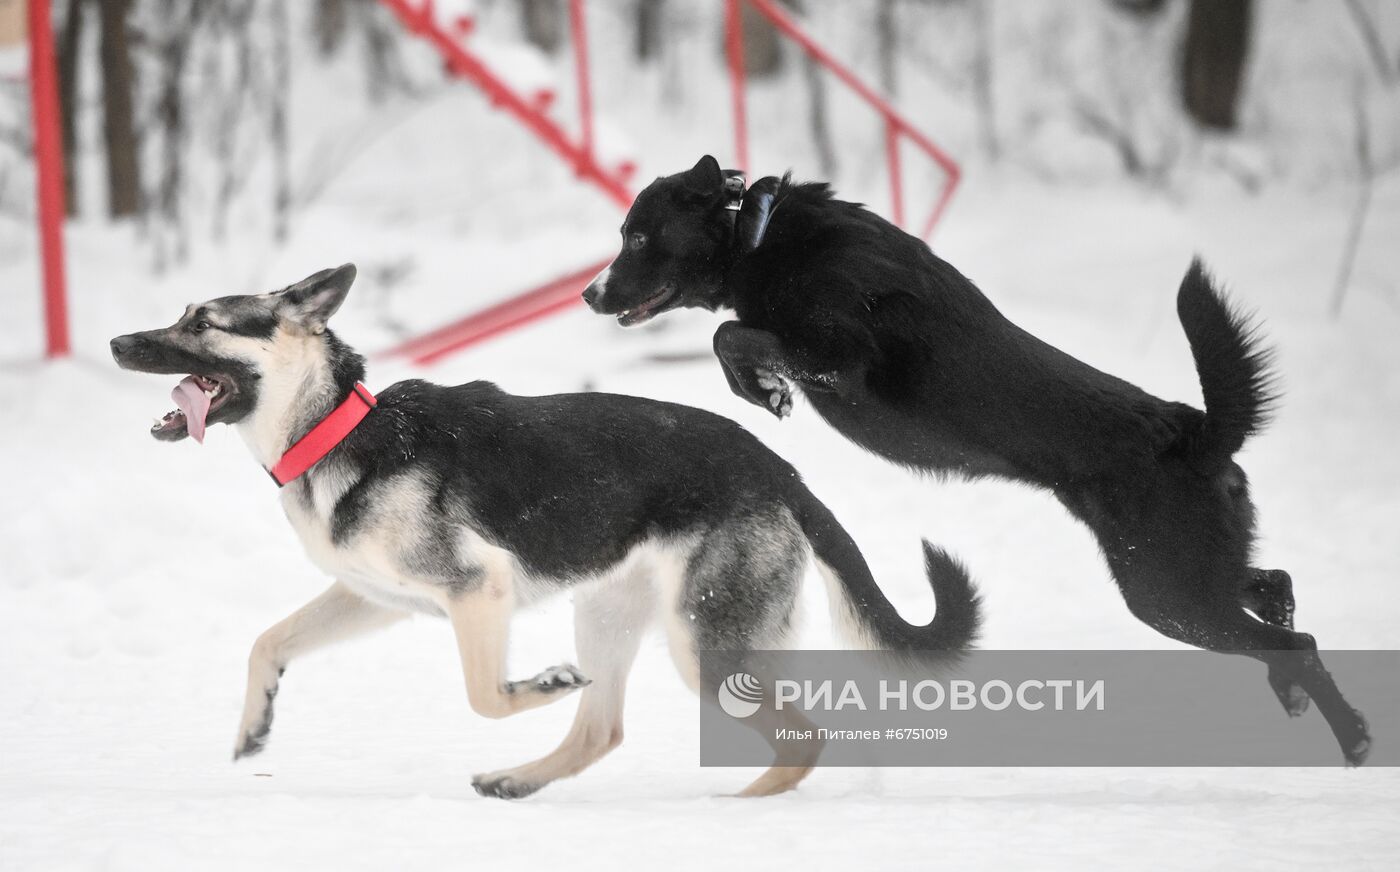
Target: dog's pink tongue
192, 400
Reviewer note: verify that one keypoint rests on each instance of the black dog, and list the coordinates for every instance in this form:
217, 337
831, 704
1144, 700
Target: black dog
904, 356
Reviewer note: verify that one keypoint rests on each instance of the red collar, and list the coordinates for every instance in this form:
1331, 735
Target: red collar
324, 436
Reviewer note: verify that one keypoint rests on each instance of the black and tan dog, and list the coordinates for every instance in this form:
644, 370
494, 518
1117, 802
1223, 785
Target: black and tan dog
468, 502
905, 357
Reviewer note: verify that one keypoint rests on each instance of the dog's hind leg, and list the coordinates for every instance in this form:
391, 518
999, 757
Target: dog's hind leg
481, 621
1269, 594
739, 594
609, 621
1300, 667
338, 613
1291, 657
794, 758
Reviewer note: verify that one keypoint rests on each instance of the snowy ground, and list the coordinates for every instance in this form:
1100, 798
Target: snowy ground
137, 574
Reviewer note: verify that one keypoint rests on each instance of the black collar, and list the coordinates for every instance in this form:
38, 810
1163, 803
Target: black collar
749, 211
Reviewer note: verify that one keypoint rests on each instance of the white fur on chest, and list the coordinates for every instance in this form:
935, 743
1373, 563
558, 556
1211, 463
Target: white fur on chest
372, 560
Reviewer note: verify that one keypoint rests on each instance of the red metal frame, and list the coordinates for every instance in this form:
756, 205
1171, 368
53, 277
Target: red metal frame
518, 311
896, 125
564, 292
579, 153
48, 160
734, 47
578, 28
461, 60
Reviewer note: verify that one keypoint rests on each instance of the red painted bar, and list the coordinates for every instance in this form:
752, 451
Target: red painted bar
896, 176
519, 310
530, 111
734, 48
585, 91
896, 125
468, 65
48, 159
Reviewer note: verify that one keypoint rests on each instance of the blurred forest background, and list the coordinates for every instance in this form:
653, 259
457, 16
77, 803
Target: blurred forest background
189, 116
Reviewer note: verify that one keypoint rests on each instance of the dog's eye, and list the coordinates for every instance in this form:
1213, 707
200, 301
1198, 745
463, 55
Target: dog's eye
200, 326
637, 241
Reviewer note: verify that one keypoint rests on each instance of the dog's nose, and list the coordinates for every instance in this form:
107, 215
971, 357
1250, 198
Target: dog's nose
124, 345
593, 294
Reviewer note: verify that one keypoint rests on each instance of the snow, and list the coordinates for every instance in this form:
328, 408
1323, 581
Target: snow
138, 574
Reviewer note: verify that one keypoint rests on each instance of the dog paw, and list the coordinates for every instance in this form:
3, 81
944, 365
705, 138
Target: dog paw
554, 679
503, 787
779, 392
252, 741
1356, 746
249, 745
1356, 755
257, 726
1295, 701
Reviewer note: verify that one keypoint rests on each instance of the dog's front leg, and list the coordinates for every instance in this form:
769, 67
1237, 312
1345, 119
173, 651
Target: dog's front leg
750, 359
759, 369
336, 614
481, 621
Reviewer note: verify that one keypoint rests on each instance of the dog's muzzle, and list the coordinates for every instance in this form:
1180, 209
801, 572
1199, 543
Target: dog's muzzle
125, 348
593, 294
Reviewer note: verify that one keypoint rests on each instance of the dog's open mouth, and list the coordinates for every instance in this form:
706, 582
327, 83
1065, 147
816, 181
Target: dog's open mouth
197, 397
647, 308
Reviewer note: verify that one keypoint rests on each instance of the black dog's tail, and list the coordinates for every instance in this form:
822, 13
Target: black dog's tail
866, 619
1236, 381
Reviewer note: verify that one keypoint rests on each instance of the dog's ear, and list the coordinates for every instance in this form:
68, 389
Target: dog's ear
705, 179
312, 301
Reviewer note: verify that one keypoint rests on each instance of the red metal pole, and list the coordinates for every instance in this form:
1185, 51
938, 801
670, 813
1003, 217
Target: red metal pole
518, 311
941, 206
734, 45
585, 96
466, 63
785, 23
896, 180
48, 159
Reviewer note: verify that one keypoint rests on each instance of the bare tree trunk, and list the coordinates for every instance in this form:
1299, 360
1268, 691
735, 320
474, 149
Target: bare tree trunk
543, 21
763, 51
1367, 170
887, 46
1141, 7
649, 15
385, 70
1370, 36
1351, 246
70, 67
231, 21
813, 75
1212, 62
329, 24
180, 17
817, 115
277, 132
982, 79
118, 122
336, 22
